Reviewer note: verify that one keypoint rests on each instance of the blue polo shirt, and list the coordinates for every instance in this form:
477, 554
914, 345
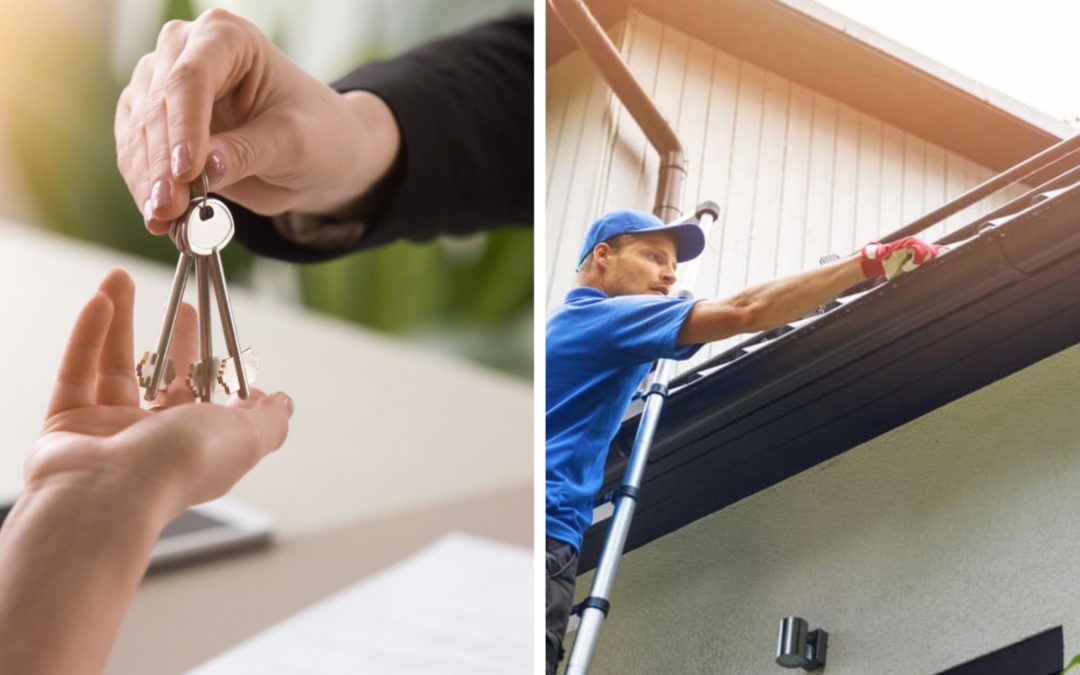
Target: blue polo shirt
599, 348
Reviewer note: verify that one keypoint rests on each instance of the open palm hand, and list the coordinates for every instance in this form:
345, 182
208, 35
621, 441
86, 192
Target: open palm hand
96, 434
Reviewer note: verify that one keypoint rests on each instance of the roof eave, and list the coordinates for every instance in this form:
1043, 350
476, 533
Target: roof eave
840, 58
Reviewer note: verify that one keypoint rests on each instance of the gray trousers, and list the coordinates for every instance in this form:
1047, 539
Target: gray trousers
562, 562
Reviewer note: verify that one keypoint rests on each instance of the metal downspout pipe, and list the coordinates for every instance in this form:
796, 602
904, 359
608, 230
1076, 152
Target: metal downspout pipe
588, 34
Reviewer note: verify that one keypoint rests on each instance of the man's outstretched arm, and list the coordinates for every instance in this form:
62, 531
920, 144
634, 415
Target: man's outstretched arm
780, 301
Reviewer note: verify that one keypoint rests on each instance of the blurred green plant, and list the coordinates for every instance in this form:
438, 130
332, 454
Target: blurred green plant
427, 290
476, 293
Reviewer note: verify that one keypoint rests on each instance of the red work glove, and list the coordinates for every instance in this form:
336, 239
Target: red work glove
893, 259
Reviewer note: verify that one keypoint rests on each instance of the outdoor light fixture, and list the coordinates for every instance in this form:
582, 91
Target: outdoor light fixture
799, 647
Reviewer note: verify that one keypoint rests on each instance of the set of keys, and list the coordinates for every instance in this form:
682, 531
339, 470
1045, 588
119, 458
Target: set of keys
200, 235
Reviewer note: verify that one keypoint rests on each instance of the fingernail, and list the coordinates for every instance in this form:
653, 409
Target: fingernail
217, 167
159, 195
147, 212
181, 160
289, 405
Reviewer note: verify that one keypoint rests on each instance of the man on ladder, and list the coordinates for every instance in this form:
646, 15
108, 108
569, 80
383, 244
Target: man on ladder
615, 323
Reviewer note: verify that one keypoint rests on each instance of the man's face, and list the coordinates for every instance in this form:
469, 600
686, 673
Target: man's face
644, 265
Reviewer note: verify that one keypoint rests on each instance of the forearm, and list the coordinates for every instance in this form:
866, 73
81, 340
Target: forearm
71, 557
770, 304
780, 301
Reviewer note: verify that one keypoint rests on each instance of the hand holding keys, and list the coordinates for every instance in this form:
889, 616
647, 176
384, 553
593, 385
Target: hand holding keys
200, 234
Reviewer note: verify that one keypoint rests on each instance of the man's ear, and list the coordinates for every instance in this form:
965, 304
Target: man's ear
601, 254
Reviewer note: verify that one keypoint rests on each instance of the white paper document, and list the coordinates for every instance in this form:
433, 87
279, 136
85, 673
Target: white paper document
462, 605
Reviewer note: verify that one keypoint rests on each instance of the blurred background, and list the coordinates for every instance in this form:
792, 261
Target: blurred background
62, 66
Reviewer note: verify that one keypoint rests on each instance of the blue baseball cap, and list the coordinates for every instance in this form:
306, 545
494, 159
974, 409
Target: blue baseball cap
689, 237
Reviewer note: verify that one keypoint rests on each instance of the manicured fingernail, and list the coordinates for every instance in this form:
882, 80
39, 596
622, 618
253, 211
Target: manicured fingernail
181, 160
289, 405
217, 167
159, 195
147, 212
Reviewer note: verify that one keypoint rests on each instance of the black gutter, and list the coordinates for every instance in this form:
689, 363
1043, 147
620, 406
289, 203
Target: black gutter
992, 306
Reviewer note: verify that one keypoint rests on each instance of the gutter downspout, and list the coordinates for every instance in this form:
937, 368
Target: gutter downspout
588, 34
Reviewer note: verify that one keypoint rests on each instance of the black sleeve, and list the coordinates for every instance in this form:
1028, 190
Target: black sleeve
464, 106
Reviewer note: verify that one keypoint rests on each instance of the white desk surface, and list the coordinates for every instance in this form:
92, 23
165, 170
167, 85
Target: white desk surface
385, 435
183, 617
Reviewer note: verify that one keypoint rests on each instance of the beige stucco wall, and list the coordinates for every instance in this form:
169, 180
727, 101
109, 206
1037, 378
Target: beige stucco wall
945, 539
797, 174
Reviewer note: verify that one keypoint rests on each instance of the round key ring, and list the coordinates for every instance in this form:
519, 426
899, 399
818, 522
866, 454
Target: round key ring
205, 194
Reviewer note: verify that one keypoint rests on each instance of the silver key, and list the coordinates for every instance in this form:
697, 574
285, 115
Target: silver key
228, 326
222, 375
197, 382
146, 368
204, 385
156, 371
226, 374
200, 234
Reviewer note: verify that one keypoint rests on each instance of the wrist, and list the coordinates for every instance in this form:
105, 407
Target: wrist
871, 258
370, 139
106, 486
377, 130
853, 268
89, 506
